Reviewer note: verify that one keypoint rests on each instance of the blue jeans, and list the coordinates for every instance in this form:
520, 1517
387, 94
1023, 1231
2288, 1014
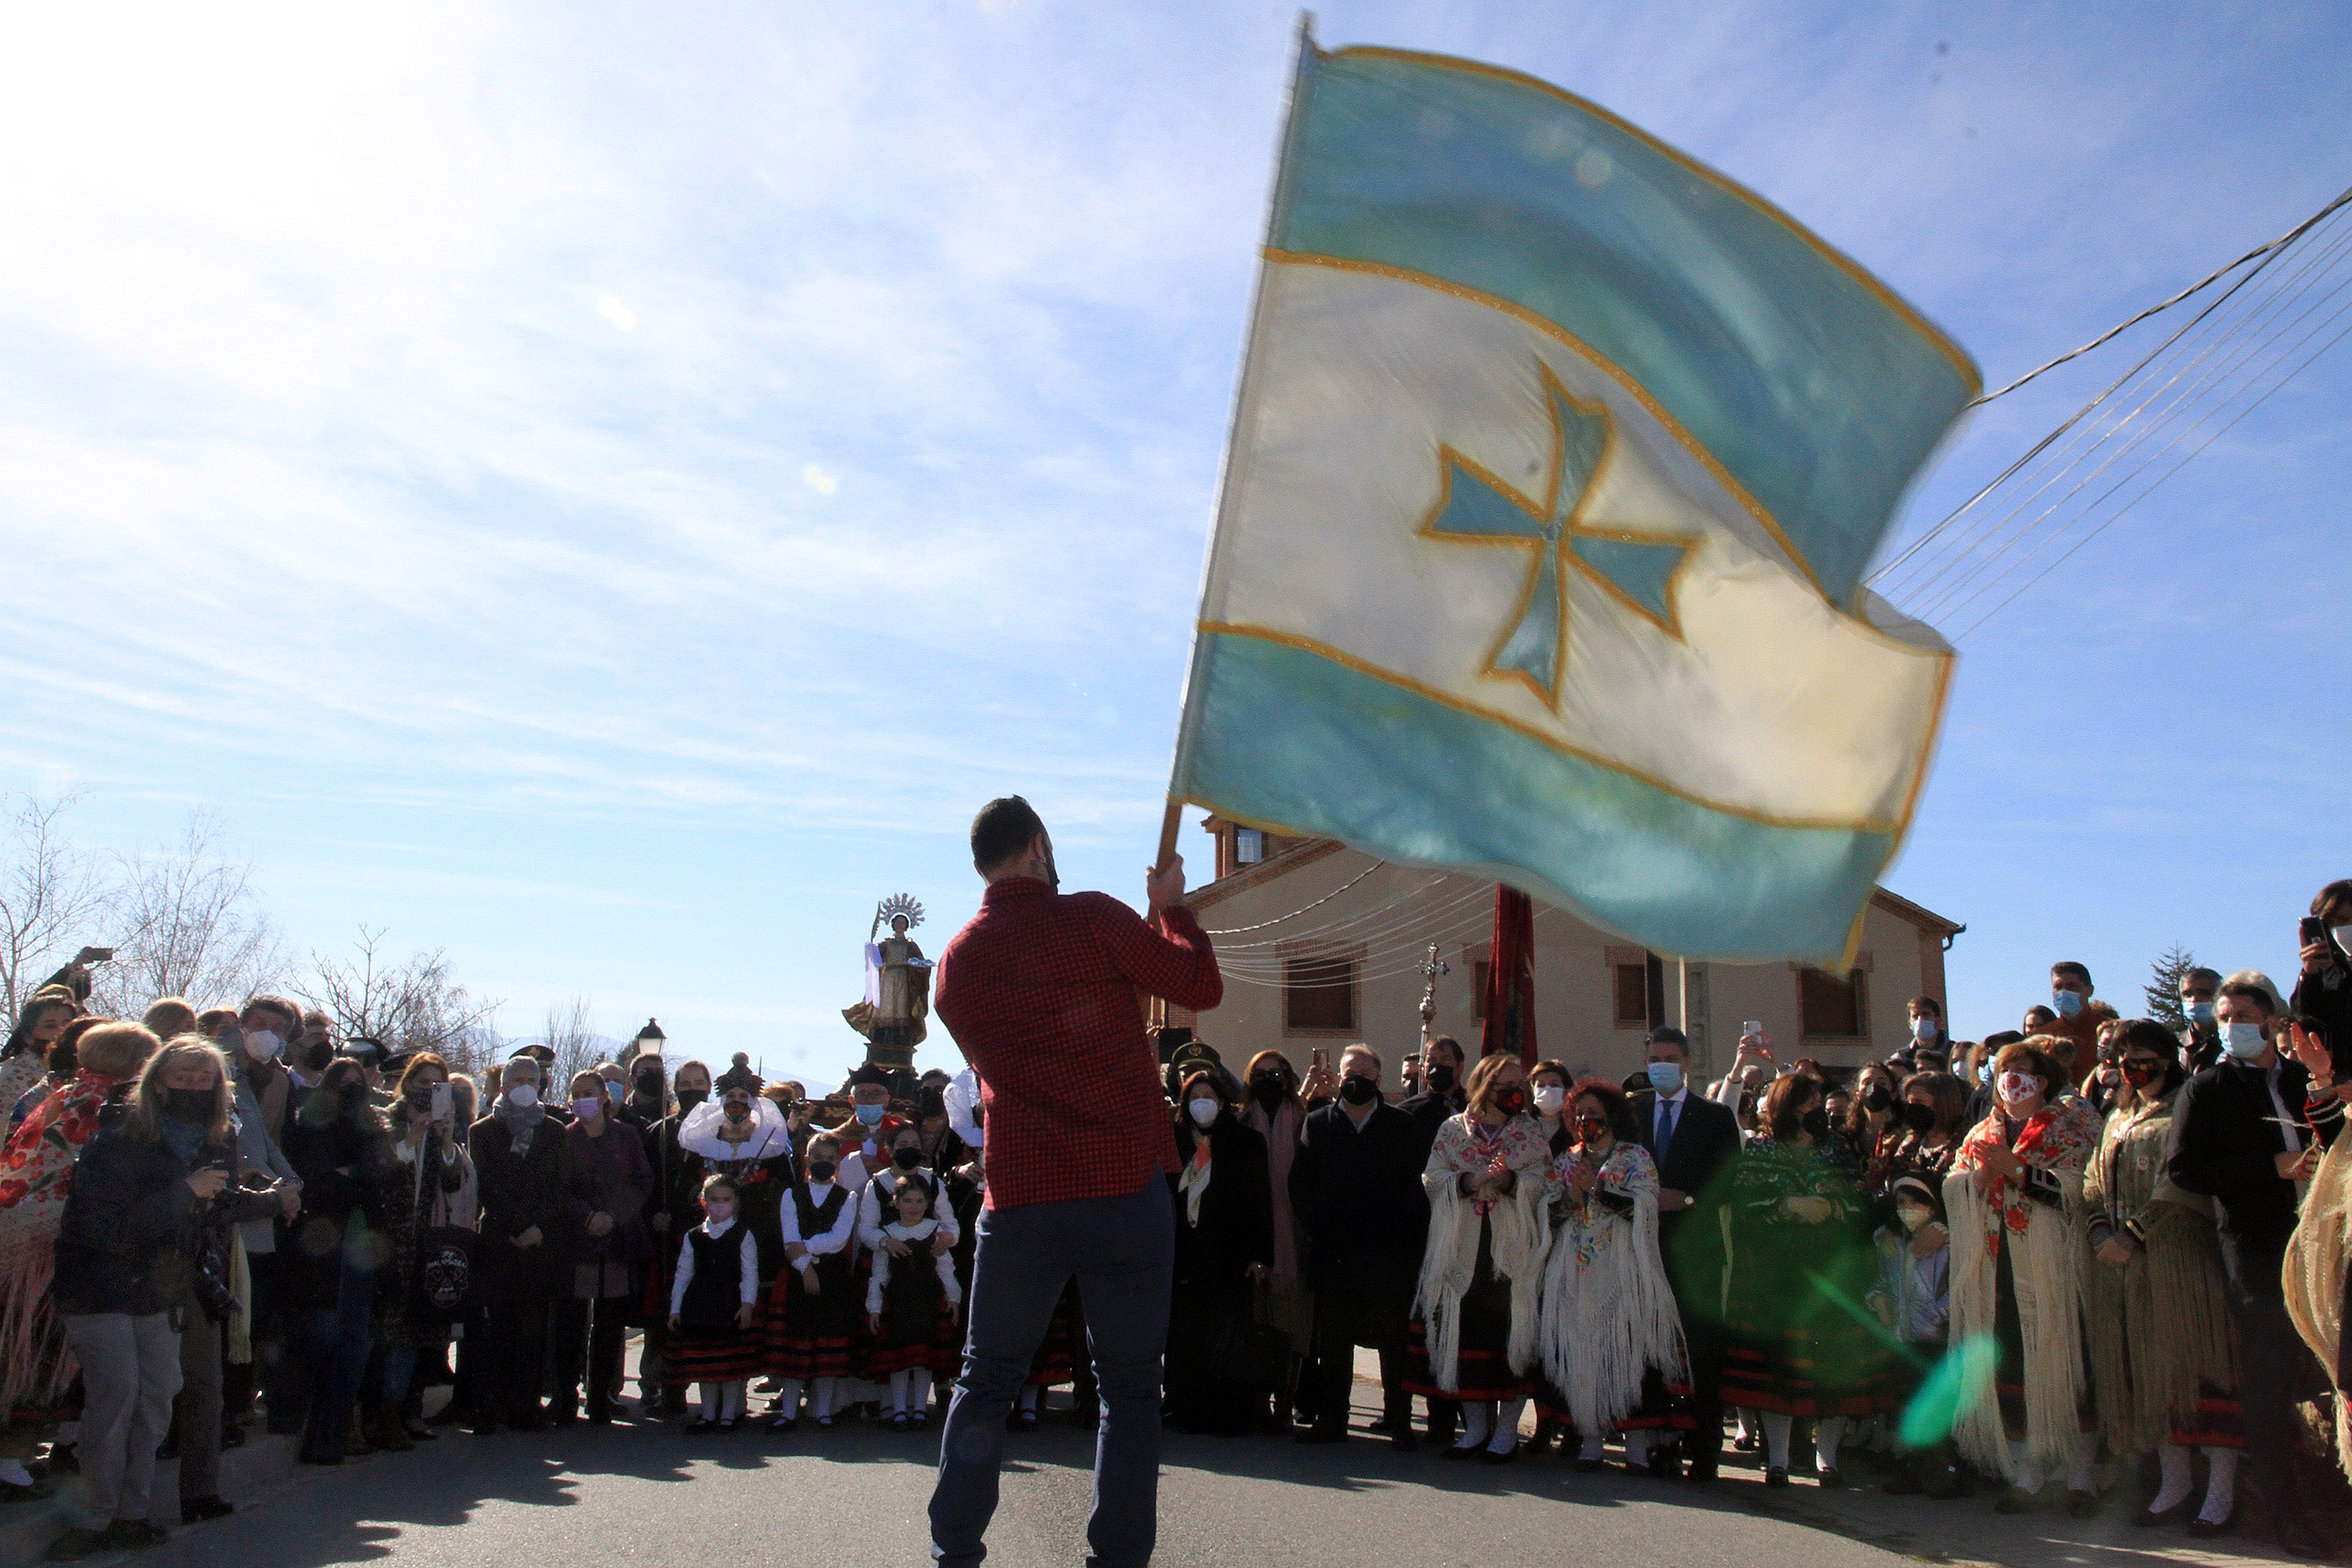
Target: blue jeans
336, 1341
1122, 1250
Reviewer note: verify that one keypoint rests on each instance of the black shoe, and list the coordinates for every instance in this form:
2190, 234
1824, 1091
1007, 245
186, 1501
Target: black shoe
1404, 1440
1457, 1452
1386, 1426
169, 1448
195, 1510
1949, 1483
785, 1424
1744, 1444
1666, 1464
11, 1492
726, 1426
2198, 1529
2298, 1538
1584, 1467
920, 1419
901, 1423
1490, 1457
1699, 1474
315, 1458
129, 1534
232, 1437
62, 1461
528, 1421
1829, 1476
74, 1545
700, 1425
1309, 1436
2082, 1504
1022, 1421
1775, 1476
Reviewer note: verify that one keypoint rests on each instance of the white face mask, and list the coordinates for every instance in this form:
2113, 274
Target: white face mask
1203, 1111
262, 1044
1923, 1029
1914, 1216
2017, 1087
2343, 935
1549, 1098
2243, 1040
523, 1096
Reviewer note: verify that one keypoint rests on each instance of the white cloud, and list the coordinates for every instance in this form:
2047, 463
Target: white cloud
618, 314
817, 479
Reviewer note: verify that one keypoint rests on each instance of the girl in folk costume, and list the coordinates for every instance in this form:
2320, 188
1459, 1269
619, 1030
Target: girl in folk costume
1612, 1336
1801, 1263
911, 1307
2163, 1361
1914, 1300
876, 1209
36, 1366
813, 1308
1472, 1334
2013, 1196
741, 1135
713, 1300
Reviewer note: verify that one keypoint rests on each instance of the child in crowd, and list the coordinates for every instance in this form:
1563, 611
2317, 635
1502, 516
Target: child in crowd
813, 1308
1914, 1299
910, 1306
711, 1306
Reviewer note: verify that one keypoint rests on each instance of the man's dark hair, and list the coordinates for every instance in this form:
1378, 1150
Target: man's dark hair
2247, 991
2072, 970
1667, 1034
1004, 827
2001, 1037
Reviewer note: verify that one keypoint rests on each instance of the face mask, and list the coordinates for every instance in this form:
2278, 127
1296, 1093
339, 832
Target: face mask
1817, 1123
2199, 1013
1984, 1071
523, 1096
2243, 1040
1203, 1112
650, 1087
2019, 1086
188, 1104
687, 1099
1923, 1029
1914, 1216
315, 1059
1589, 1129
588, 1110
1359, 1091
907, 1159
2343, 936
719, 1213
1549, 1098
821, 1170
2068, 1003
1878, 1101
2142, 1073
739, 1110
262, 1044
1441, 1080
419, 1101
1271, 1088
1666, 1077
350, 1092
871, 1116
1510, 1102
1917, 1117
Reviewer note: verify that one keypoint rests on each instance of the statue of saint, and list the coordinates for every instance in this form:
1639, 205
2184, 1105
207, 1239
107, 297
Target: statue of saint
905, 997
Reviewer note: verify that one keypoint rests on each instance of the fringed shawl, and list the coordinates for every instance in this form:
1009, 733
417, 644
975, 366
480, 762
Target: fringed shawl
2159, 1325
1608, 1312
2317, 1258
35, 1175
2045, 1261
1520, 1236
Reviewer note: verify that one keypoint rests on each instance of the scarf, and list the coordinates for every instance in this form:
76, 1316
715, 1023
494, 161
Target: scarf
36, 1170
2059, 1136
521, 1123
185, 1139
1280, 1131
1520, 1237
1195, 1181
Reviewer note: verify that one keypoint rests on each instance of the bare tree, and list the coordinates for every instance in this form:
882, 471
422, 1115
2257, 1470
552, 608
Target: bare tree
576, 1044
414, 1005
191, 927
51, 898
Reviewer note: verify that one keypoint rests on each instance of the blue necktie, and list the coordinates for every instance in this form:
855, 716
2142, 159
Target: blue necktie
1666, 1124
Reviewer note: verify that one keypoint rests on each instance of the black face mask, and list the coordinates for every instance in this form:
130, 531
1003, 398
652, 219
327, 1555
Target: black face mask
419, 1101
1817, 1123
1917, 1117
1271, 1089
350, 1092
821, 1170
316, 1057
1510, 1102
1878, 1101
2143, 1073
1357, 1090
907, 1159
188, 1104
930, 1103
687, 1099
649, 1088
1440, 1080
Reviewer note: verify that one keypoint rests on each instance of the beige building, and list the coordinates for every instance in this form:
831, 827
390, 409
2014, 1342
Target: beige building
1322, 945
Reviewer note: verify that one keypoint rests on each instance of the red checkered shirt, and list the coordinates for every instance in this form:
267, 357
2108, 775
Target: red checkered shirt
1040, 991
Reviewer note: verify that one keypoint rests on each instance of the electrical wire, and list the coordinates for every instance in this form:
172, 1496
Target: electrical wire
1237, 930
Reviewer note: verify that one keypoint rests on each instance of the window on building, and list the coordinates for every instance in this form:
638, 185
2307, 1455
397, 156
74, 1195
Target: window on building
1319, 992
1249, 846
1638, 986
1830, 1008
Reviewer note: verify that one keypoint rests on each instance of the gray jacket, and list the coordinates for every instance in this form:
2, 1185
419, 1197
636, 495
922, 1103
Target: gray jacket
257, 1151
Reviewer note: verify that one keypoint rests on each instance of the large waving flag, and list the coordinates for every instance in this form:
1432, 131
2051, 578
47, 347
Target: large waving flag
1557, 461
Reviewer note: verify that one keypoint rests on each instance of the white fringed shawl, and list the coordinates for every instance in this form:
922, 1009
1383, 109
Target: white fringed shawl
1609, 1312
1520, 1239
2046, 1260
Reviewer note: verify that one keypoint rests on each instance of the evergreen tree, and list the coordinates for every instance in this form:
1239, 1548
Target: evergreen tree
2163, 989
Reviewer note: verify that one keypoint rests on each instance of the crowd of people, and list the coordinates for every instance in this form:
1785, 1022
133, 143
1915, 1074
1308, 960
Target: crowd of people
2050, 1266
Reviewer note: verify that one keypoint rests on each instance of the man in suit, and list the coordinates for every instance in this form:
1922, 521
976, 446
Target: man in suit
2242, 1134
1355, 1187
1694, 1140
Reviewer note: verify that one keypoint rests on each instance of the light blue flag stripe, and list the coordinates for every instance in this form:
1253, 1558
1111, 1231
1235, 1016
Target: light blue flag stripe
1815, 388
1301, 743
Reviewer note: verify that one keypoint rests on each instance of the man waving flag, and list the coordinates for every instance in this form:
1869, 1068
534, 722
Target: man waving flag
1558, 463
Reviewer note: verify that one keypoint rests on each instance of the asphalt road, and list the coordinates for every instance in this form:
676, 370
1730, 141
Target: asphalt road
645, 1494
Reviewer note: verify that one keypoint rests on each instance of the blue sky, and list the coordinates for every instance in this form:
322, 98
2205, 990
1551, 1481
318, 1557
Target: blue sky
607, 491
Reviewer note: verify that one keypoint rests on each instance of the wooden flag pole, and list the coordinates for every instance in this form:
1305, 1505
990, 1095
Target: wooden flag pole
1169, 827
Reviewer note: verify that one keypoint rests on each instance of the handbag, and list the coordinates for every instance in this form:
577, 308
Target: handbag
444, 1280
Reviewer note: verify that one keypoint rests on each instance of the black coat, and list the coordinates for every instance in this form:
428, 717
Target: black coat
1358, 1202
519, 1191
121, 1227
346, 1170
1428, 1113
1698, 1164
2226, 1140
1236, 1228
2328, 997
